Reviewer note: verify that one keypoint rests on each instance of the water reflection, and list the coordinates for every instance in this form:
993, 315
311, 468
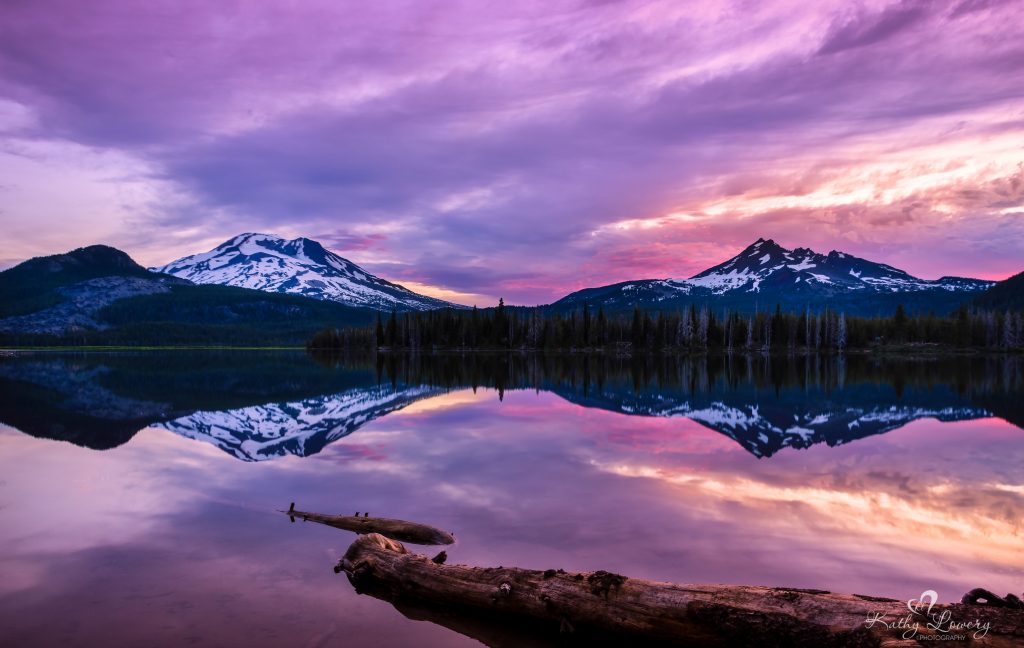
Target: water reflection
259, 406
163, 540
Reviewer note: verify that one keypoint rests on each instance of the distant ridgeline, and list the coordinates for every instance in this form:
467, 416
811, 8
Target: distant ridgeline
690, 329
262, 290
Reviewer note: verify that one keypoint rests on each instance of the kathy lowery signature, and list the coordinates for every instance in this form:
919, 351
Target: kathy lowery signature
923, 623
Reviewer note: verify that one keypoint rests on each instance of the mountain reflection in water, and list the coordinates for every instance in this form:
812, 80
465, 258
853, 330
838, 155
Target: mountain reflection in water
259, 406
586, 463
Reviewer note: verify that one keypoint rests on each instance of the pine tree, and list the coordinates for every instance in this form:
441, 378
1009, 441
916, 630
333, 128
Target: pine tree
899, 322
702, 327
586, 324
392, 331
841, 333
963, 327
1011, 334
637, 329
500, 325
686, 327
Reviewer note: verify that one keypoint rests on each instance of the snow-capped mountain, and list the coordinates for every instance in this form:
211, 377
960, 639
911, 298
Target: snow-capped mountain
299, 267
764, 424
766, 262
766, 273
300, 428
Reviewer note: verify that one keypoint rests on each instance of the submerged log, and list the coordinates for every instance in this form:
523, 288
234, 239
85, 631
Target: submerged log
412, 532
511, 606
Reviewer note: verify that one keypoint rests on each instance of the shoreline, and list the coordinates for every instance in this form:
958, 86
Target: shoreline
18, 350
902, 351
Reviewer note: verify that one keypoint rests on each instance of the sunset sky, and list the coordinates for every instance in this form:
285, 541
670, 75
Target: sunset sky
472, 149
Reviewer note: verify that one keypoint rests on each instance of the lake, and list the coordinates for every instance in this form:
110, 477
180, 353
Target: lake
140, 490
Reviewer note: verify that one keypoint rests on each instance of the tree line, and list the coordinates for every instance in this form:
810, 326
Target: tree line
695, 328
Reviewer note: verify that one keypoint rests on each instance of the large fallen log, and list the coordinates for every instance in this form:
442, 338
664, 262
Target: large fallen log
397, 529
510, 606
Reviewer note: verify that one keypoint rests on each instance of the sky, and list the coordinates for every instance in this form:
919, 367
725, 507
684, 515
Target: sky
472, 149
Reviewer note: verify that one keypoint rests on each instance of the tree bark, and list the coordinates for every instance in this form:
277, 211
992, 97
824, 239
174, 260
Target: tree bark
510, 606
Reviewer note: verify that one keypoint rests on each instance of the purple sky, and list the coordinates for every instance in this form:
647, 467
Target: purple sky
475, 149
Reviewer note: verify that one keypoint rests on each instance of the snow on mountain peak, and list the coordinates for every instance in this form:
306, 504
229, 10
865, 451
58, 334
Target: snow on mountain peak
767, 273
299, 266
765, 259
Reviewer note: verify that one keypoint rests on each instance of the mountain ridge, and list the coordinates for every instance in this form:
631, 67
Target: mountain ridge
765, 273
28, 286
100, 295
1007, 294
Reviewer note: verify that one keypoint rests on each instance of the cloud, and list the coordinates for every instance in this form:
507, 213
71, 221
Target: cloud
498, 151
868, 30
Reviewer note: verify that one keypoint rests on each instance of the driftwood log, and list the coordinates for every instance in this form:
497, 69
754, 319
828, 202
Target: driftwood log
516, 607
402, 530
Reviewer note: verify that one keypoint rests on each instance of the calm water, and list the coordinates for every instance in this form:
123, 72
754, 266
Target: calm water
138, 491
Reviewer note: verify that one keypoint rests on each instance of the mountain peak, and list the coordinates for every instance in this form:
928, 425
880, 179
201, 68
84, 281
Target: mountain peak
298, 266
98, 255
762, 245
249, 235
90, 261
254, 238
244, 237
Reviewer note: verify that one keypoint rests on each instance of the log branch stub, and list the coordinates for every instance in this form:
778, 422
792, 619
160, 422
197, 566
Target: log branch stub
412, 532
